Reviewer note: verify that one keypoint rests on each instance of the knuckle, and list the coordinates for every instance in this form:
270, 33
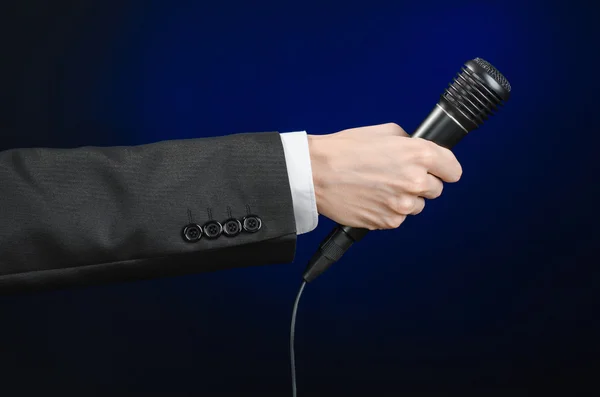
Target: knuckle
367, 221
404, 205
394, 222
427, 155
456, 173
438, 192
392, 203
419, 209
418, 183
456, 168
372, 226
459, 171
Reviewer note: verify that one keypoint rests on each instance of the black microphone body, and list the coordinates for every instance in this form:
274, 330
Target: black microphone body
465, 104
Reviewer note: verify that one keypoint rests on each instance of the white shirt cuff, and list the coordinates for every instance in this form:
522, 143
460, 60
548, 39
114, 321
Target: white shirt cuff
297, 159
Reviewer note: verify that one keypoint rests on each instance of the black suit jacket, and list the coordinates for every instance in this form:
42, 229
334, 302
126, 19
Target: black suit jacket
75, 217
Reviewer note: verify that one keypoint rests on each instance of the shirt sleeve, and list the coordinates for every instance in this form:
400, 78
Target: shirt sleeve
297, 158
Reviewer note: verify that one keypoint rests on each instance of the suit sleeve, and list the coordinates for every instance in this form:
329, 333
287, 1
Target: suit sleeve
91, 215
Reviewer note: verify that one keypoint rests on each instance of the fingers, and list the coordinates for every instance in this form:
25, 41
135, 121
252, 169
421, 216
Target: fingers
419, 205
417, 182
433, 187
439, 161
408, 205
378, 175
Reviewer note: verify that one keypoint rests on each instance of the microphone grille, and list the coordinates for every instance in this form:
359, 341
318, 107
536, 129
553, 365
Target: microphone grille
477, 92
493, 72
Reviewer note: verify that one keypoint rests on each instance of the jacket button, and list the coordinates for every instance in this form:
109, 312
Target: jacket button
192, 233
212, 229
232, 227
252, 223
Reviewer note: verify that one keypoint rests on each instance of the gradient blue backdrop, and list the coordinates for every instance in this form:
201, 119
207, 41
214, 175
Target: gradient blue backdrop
492, 288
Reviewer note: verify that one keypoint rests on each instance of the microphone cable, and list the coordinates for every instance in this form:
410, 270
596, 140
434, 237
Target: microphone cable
292, 334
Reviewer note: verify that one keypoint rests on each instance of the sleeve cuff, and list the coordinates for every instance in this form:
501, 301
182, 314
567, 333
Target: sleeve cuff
297, 158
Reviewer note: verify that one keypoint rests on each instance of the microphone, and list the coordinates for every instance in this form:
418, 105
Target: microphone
474, 95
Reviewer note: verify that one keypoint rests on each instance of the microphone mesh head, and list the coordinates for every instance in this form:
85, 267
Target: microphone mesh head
476, 92
492, 71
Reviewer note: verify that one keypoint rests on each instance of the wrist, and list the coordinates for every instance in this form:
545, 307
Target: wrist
318, 161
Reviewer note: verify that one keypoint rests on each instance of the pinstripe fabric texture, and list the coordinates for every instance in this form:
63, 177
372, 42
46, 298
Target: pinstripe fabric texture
75, 217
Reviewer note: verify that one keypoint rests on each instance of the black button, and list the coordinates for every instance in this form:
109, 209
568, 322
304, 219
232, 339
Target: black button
232, 227
252, 223
212, 229
192, 233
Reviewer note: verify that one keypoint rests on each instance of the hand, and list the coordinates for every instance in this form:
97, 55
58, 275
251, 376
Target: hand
373, 177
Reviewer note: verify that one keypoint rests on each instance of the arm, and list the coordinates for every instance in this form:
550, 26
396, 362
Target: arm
93, 215
84, 216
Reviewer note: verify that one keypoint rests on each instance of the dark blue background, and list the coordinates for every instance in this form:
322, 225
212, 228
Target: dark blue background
492, 289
